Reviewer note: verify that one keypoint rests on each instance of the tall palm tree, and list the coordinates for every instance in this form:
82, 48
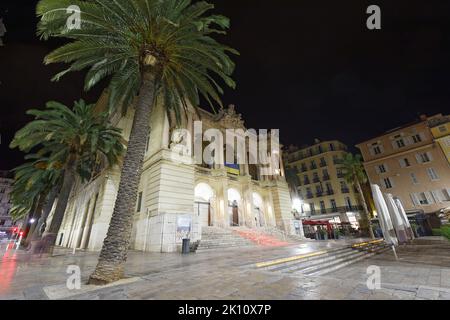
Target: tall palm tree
73, 140
151, 49
355, 175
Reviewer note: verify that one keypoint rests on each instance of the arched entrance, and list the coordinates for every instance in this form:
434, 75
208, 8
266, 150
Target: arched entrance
258, 209
203, 195
234, 199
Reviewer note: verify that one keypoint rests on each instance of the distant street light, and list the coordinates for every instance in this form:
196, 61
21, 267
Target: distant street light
32, 220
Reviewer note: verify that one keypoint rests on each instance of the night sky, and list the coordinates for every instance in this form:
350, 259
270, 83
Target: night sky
309, 68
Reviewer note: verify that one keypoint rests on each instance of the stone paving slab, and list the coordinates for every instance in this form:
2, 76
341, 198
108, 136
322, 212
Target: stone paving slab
230, 274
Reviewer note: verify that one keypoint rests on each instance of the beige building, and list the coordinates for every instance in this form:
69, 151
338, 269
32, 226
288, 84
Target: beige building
320, 185
177, 196
408, 163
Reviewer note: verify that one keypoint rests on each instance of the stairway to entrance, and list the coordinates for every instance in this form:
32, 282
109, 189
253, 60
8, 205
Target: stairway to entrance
323, 262
220, 238
261, 237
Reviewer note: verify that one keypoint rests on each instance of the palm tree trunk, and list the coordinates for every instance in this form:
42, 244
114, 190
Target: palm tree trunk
36, 216
365, 209
63, 199
113, 255
46, 211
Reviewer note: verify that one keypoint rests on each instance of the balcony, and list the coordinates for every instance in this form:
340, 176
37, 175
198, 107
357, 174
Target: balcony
309, 196
313, 167
345, 190
330, 192
341, 209
319, 194
306, 182
326, 178
338, 161
323, 164
340, 175
316, 179
303, 169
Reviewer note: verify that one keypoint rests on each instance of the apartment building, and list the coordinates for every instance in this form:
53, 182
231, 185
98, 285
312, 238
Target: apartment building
316, 178
6, 182
410, 163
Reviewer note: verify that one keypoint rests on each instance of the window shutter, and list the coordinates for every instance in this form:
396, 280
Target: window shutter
430, 156
408, 141
372, 153
381, 148
402, 163
414, 199
429, 197
394, 145
377, 169
436, 196
446, 193
391, 180
418, 158
422, 136
386, 167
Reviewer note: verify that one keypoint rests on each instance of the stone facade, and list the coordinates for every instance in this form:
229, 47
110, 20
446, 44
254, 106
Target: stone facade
174, 195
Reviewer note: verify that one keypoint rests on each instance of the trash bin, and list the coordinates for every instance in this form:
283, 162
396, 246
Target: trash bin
185, 247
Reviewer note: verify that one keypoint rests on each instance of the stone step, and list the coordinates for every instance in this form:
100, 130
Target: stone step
218, 238
335, 260
294, 263
319, 261
341, 264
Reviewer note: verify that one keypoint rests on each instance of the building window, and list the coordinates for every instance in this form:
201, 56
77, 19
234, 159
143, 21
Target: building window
139, 204
331, 146
442, 129
424, 157
376, 150
432, 174
400, 143
381, 168
322, 207
312, 208
348, 203
404, 163
414, 178
417, 138
388, 183
447, 142
422, 198
333, 204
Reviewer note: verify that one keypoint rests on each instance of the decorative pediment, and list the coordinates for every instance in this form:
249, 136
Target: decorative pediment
229, 118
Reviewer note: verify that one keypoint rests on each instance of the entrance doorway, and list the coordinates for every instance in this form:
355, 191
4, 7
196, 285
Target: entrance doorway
204, 194
233, 210
234, 198
203, 210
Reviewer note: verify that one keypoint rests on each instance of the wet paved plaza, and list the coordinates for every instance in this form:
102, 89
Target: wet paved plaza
422, 272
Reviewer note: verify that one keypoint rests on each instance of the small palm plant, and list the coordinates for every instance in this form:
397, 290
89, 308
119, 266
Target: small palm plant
355, 175
73, 140
150, 49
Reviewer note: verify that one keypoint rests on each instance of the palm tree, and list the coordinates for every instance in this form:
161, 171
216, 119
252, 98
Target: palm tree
355, 175
73, 141
34, 191
151, 49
